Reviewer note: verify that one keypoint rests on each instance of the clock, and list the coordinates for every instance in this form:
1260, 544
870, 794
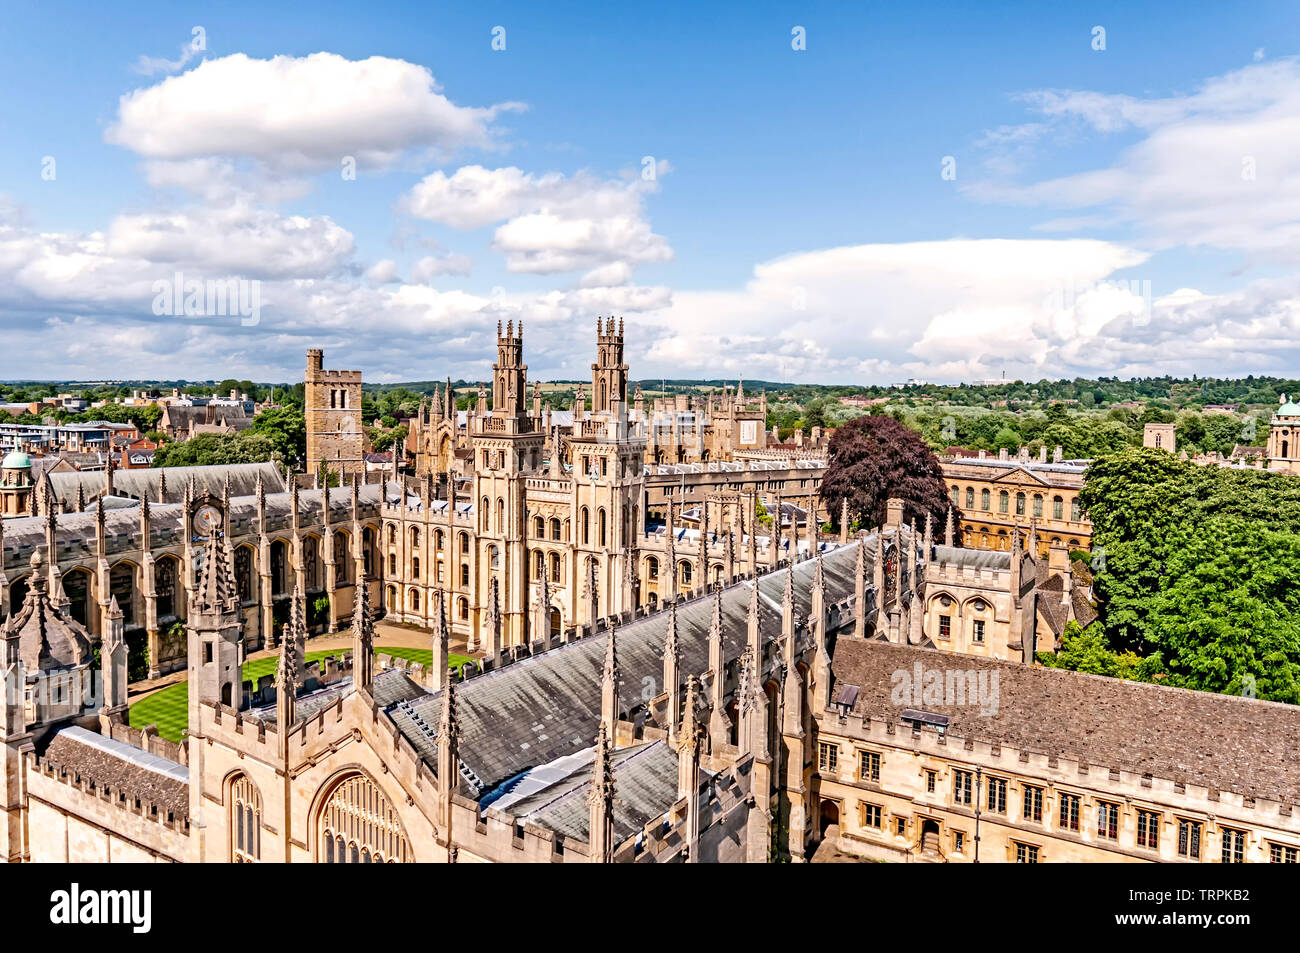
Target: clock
207, 520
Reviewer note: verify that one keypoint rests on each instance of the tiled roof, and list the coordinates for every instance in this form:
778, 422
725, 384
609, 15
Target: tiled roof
121, 767
1223, 742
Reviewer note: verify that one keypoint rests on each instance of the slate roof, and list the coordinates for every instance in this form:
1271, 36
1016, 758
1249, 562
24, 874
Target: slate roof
143, 484
645, 787
538, 709
76, 537
1223, 742
121, 767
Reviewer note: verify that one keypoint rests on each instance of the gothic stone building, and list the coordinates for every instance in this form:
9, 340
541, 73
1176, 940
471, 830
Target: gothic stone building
777, 715
563, 514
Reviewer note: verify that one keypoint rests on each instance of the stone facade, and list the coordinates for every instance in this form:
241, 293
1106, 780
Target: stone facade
998, 495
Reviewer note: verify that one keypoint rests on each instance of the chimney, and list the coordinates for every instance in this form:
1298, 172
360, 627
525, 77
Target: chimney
1058, 454
894, 511
1003, 454
1042, 454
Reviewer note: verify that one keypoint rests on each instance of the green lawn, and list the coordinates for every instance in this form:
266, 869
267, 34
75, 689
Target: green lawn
169, 708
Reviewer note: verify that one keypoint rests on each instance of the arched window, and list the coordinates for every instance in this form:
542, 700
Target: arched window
342, 558
415, 567
539, 564
603, 521
245, 821
464, 574
1076, 511
368, 543
415, 600
1058, 508
684, 572
310, 562
494, 553
1020, 504
970, 497
984, 499
464, 542
392, 535
244, 573
392, 564
165, 586
121, 583
415, 537
956, 496
501, 515
555, 528
539, 527
652, 568
586, 526
555, 567
462, 608
357, 824
438, 540
484, 509
1038, 504
1004, 501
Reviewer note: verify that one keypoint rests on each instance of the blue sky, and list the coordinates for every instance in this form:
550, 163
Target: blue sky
797, 226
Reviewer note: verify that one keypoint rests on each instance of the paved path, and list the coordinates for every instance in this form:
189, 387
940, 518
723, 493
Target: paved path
387, 635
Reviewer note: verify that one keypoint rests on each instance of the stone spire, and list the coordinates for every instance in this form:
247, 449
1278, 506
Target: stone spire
929, 536
688, 771
216, 589
113, 659
448, 767
287, 674
492, 624
600, 803
947, 529
609, 679
719, 723
441, 645
591, 594
363, 638
860, 592
672, 677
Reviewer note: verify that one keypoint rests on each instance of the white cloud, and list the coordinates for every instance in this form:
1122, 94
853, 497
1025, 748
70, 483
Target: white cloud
239, 239
1214, 168
551, 223
299, 112
382, 272
431, 266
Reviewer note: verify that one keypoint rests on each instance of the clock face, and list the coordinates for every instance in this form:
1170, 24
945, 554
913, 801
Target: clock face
207, 520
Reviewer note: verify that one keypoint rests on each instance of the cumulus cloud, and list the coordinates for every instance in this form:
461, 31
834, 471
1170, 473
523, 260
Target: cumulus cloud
239, 239
551, 223
300, 112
